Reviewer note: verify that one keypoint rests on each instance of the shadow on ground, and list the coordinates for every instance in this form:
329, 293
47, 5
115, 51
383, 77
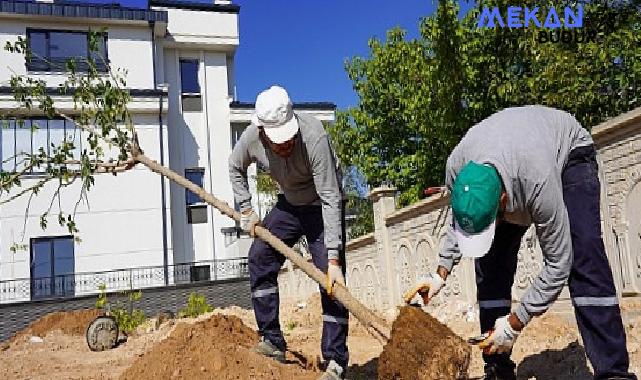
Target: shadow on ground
366, 371
569, 363
303, 361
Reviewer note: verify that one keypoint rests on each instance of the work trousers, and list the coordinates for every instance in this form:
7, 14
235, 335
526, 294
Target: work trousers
591, 284
288, 223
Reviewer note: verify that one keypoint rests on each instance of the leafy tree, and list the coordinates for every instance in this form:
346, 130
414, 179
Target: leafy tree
267, 191
360, 215
99, 111
418, 97
359, 211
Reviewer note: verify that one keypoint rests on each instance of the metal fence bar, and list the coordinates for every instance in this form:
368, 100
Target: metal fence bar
77, 284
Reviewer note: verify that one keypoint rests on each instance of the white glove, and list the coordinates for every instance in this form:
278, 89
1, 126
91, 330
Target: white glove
333, 254
502, 339
248, 221
427, 287
334, 274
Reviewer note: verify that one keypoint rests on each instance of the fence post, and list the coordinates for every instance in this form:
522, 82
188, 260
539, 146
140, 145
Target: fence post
384, 203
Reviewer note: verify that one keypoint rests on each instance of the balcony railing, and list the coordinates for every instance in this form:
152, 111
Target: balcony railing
77, 284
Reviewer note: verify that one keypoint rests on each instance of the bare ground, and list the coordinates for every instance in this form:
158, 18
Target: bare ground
548, 349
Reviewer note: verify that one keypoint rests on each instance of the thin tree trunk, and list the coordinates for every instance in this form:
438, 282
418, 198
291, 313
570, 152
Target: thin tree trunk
374, 324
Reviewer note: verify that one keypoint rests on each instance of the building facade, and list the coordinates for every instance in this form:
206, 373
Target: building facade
136, 229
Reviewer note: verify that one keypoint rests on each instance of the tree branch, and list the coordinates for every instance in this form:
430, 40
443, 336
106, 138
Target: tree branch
28, 189
26, 216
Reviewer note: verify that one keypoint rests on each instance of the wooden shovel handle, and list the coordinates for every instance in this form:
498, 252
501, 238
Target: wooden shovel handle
374, 324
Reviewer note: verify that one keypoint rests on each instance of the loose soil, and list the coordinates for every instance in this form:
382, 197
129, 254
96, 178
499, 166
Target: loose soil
422, 348
549, 348
220, 348
69, 323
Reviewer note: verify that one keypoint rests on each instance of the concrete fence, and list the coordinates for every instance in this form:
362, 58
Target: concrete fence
406, 242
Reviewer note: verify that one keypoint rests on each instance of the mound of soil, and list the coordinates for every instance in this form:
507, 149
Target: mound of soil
215, 348
422, 348
68, 322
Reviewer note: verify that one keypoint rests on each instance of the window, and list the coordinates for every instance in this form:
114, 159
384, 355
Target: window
20, 138
200, 273
189, 85
51, 49
237, 130
196, 176
196, 209
52, 267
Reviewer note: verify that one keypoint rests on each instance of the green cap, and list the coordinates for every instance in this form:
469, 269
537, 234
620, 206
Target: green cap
475, 197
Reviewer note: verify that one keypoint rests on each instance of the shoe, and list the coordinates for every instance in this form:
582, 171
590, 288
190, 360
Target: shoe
266, 348
493, 372
333, 372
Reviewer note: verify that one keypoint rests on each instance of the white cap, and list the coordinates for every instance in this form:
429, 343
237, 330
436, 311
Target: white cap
474, 245
274, 112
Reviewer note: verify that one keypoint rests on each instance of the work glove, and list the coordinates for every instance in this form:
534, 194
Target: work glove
427, 287
334, 274
248, 221
501, 339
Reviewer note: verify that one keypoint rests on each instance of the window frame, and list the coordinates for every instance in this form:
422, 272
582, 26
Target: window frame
235, 129
187, 94
47, 65
44, 125
199, 205
52, 290
200, 170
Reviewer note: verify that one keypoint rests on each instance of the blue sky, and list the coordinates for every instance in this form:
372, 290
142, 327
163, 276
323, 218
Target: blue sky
302, 44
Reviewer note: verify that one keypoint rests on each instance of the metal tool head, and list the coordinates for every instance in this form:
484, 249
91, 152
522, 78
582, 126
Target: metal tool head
476, 340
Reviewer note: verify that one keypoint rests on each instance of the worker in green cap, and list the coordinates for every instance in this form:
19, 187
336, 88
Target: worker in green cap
523, 166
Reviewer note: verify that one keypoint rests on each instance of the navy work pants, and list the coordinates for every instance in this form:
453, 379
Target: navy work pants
289, 223
591, 284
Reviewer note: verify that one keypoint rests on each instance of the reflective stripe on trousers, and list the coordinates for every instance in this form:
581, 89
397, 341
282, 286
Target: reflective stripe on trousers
264, 292
332, 319
493, 304
595, 301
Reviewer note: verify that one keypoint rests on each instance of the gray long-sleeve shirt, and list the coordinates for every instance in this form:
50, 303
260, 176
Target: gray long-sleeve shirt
529, 147
309, 176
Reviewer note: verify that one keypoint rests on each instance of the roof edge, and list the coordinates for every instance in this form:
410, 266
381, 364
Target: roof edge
194, 6
317, 106
82, 10
135, 92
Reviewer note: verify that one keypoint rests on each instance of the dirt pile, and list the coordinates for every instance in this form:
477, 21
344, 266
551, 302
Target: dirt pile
422, 348
216, 348
547, 349
68, 322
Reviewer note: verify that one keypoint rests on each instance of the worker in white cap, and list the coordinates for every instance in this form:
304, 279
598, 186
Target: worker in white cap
295, 150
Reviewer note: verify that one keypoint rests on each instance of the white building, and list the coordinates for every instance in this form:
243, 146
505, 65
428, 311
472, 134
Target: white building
180, 62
